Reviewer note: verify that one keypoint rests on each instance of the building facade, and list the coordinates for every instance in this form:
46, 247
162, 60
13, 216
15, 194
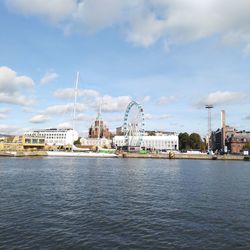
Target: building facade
53, 136
25, 142
158, 142
238, 141
99, 129
95, 142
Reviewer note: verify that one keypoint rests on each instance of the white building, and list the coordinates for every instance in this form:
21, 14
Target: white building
53, 136
102, 142
158, 142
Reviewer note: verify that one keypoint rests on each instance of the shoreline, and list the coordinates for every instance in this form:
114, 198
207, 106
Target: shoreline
173, 156
179, 156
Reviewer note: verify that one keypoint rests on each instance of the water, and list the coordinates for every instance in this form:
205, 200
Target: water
74, 203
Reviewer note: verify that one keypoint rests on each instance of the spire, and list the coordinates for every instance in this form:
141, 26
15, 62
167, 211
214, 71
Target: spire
99, 116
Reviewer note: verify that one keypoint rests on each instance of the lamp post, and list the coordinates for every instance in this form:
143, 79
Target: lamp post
209, 129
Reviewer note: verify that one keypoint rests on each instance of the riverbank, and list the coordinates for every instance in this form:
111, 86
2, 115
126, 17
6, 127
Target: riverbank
22, 153
186, 156
138, 155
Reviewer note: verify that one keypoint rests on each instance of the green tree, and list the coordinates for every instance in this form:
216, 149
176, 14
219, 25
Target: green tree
184, 142
247, 145
77, 142
195, 141
151, 133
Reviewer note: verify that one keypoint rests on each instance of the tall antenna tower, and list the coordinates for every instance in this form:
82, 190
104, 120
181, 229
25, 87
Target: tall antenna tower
209, 127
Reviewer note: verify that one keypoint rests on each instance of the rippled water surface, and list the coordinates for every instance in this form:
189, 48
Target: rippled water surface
75, 203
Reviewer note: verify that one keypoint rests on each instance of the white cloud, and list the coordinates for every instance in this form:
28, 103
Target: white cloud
27, 110
146, 98
54, 10
3, 116
166, 99
48, 77
15, 98
10, 82
51, 111
247, 117
84, 117
148, 116
13, 86
164, 117
69, 93
115, 119
157, 117
5, 110
64, 108
65, 125
112, 104
39, 119
10, 130
221, 98
94, 99
147, 21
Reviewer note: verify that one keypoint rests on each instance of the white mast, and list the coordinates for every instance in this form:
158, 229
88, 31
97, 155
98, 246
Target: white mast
76, 90
74, 114
99, 120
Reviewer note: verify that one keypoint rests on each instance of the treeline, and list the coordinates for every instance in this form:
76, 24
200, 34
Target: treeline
192, 141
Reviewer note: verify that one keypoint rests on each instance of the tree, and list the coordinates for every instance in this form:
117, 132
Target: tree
192, 141
184, 142
195, 141
247, 145
151, 133
78, 141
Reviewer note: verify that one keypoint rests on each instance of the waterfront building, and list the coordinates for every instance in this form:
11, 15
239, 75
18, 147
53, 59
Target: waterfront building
166, 141
95, 142
220, 138
228, 139
54, 136
25, 142
237, 141
99, 135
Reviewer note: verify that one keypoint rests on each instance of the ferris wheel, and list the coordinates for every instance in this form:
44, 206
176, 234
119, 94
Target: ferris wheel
133, 124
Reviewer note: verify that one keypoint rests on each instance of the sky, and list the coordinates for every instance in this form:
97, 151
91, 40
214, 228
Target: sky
171, 56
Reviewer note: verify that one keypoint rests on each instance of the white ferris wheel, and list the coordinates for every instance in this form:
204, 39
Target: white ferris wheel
134, 124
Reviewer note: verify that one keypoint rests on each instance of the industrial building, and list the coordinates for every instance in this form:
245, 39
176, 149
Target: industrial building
227, 139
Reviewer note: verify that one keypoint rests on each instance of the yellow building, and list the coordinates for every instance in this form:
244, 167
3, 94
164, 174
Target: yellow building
20, 143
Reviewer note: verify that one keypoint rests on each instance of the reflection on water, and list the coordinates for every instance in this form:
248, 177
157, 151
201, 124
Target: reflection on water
123, 203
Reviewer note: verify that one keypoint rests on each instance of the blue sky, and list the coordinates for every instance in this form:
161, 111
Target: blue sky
172, 56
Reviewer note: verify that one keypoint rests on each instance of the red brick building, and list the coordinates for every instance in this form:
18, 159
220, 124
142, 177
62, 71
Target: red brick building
99, 129
237, 141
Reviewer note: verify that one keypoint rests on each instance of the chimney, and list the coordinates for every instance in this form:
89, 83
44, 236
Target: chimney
223, 126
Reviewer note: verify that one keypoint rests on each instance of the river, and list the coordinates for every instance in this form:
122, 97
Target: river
80, 203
